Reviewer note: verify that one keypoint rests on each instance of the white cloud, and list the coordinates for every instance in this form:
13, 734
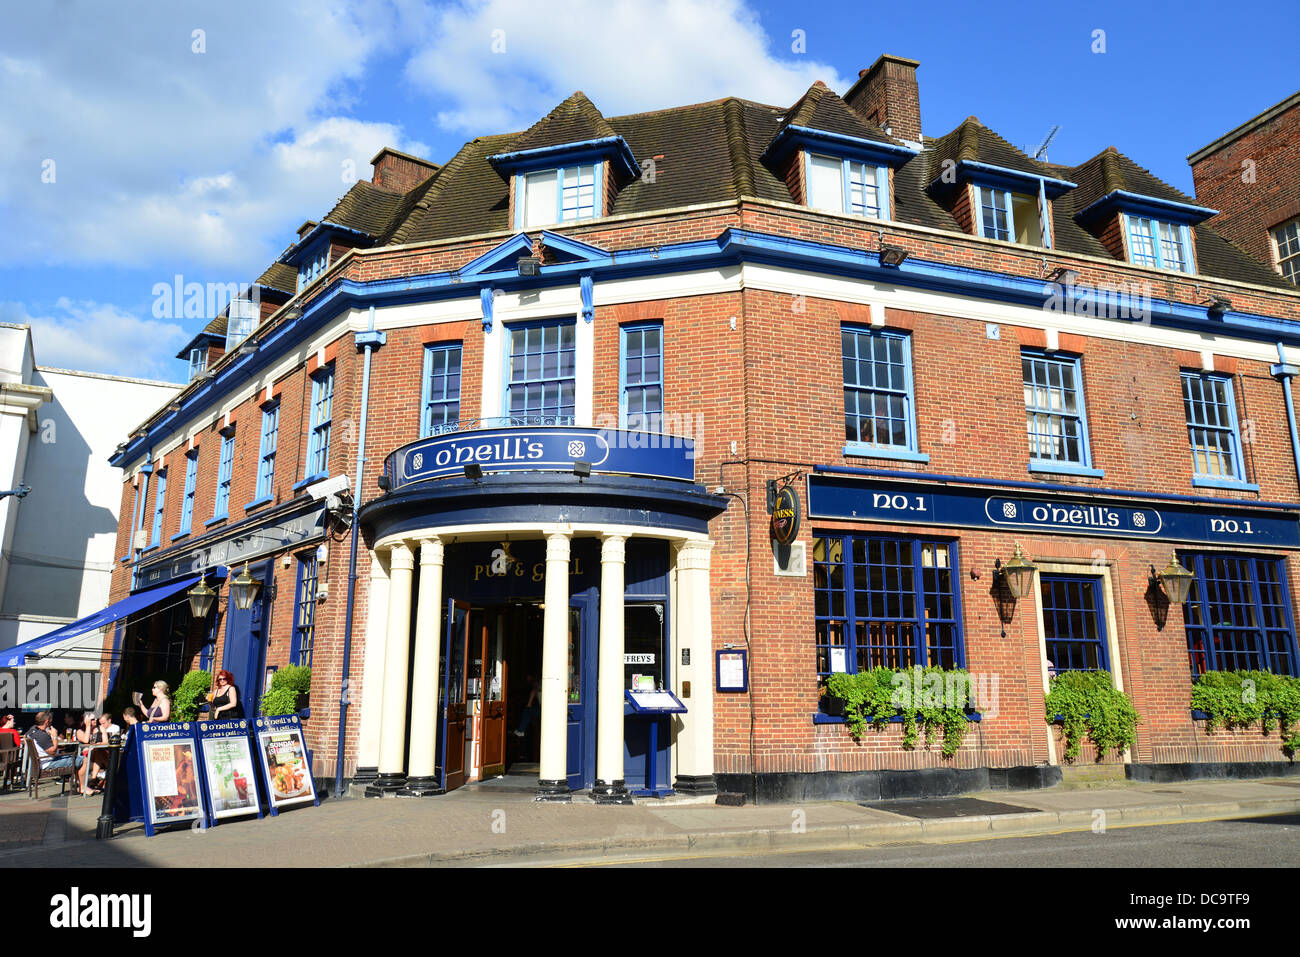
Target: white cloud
100, 337
166, 155
626, 55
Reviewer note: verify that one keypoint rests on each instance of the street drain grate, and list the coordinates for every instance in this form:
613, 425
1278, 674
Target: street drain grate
951, 807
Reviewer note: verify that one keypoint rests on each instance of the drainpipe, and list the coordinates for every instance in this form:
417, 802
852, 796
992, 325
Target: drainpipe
368, 340
1283, 371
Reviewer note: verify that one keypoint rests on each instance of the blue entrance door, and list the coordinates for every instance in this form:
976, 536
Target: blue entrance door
245, 652
583, 640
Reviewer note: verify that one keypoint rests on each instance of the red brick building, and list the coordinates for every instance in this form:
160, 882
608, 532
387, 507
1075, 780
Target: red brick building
1248, 175
563, 368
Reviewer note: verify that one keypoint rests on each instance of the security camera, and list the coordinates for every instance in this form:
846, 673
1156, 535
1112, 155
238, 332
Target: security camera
330, 486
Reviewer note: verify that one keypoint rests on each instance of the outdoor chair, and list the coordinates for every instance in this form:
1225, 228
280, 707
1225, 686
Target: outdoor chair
9, 766
36, 777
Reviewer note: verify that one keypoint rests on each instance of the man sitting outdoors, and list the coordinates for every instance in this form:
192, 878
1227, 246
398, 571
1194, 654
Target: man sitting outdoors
42, 736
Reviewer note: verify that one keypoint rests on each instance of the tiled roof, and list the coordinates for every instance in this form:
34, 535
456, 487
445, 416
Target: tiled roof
1111, 170
821, 109
975, 143
573, 121
713, 152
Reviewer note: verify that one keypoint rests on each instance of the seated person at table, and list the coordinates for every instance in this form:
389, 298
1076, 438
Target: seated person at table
97, 759
9, 736
42, 738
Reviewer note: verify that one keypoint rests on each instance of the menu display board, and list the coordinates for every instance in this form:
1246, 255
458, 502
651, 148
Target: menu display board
283, 756
170, 774
227, 758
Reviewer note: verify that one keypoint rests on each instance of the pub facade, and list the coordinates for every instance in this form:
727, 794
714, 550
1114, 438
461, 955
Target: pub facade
492, 446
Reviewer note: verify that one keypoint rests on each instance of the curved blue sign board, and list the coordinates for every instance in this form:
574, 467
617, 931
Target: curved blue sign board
545, 448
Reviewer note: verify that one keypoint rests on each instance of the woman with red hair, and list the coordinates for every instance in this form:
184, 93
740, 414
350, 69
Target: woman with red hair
225, 700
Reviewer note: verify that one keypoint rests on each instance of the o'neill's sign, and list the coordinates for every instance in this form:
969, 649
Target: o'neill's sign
927, 503
545, 448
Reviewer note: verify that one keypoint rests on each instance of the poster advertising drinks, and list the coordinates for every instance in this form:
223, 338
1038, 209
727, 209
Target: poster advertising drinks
228, 766
171, 777
284, 759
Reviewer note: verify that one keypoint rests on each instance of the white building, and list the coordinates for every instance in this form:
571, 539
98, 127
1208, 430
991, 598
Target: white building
58, 430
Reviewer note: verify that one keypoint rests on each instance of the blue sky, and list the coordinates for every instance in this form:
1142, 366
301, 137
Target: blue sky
198, 154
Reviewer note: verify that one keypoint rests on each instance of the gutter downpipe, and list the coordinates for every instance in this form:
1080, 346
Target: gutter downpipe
1283, 371
369, 340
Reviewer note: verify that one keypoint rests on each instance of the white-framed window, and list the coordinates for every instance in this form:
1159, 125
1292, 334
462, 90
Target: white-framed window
1010, 217
1158, 244
198, 361
241, 320
563, 195
847, 186
1286, 238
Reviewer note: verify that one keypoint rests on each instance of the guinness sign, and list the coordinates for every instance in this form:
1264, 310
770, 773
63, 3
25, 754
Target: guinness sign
785, 517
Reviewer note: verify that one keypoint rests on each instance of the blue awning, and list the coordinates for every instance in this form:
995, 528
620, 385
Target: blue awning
16, 657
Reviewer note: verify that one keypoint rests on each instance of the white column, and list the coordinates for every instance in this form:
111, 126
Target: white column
610, 787
555, 673
424, 677
392, 728
694, 742
371, 697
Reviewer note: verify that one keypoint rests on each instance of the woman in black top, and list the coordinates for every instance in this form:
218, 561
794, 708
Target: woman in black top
225, 702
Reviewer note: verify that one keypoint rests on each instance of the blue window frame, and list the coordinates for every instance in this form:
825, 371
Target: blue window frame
304, 618
562, 195
1212, 429
1238, 614
159, 500
1055, 420
541, 388
441, 401
995, 213
641, 376
1074, 623
221, 507
312, 266
847, 186
322, 403
1012, 217
191, 481
1162, 245
879, 401
266, 456
886, 602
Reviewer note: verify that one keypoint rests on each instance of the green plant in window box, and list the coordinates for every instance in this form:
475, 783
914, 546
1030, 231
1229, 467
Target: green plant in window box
288, 691
934, 699
1087, 702
1241, 699
193, 692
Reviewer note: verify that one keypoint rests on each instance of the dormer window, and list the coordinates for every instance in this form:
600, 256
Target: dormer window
1159, 244
561, 195
241, 321
313, 264
1008, 216
847, 186
198, 362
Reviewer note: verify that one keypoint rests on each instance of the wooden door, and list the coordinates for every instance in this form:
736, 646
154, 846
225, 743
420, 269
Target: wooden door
493, 715
451, 742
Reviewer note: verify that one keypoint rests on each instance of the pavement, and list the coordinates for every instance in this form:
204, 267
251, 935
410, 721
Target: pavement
489, 825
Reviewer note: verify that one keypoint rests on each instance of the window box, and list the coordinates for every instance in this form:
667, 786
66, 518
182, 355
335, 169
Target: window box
821, 717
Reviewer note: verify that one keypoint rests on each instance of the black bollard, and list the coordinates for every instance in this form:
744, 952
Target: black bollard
104, 826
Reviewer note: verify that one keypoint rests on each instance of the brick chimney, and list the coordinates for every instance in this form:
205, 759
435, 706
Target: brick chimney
398, 172
886, 94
